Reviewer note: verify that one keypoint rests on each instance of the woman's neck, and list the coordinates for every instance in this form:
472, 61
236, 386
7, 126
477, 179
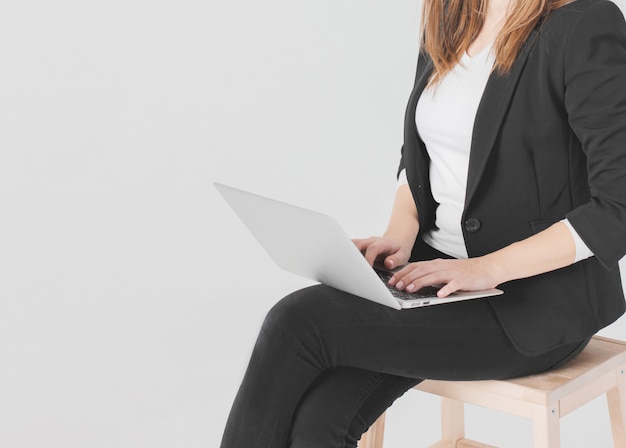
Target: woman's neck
495, 17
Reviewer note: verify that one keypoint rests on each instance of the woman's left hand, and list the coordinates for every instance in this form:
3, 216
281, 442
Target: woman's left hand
550, 249
470, 274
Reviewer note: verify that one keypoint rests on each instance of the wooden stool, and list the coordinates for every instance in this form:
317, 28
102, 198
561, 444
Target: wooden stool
544, 398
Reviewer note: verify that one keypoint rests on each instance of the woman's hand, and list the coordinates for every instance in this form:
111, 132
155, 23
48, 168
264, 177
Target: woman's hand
392, 251
467, 274
394, 247
545, 251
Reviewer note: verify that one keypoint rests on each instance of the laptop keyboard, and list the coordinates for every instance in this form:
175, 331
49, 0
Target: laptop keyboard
422, 293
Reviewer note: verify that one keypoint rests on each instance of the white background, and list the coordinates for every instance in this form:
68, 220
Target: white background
130, 295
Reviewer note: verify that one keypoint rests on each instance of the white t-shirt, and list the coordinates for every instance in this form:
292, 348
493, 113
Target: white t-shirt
445, 118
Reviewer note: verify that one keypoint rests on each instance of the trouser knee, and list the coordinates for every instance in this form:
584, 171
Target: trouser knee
294, 314
296, 323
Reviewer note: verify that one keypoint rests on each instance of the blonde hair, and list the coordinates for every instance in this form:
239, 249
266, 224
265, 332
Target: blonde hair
450, 26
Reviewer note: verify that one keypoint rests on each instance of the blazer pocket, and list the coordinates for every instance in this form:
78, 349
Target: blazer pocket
541, 224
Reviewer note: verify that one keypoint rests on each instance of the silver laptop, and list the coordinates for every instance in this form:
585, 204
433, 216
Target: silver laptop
314, 245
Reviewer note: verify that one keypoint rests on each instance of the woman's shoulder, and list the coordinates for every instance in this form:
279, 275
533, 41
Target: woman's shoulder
580, 19
566, 18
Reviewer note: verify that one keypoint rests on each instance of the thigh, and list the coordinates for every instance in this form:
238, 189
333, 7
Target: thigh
341, 404
456, 341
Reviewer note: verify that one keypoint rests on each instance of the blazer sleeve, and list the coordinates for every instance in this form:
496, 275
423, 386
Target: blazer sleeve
595, 100
421, 62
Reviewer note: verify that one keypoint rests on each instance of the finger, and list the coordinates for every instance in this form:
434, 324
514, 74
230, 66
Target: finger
358, 242
423, 276
433, 279
406, 275
363, 243
448, 289
396, 277
391, 262
396, 259
372, 252
379, 248
438, 269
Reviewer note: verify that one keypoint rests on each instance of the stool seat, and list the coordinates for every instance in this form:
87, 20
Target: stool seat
544, 398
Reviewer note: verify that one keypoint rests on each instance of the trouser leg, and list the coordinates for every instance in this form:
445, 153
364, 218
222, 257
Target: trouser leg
342, 404
320, 328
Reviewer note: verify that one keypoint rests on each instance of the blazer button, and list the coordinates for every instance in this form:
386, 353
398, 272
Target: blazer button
472, 225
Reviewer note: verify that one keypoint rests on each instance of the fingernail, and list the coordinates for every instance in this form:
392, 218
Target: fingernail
392, 280
410, 288
399, 285
390, 263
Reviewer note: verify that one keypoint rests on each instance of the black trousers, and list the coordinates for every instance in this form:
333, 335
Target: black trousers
326, 364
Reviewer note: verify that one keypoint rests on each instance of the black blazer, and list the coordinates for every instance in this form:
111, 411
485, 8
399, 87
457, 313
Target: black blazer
549, 142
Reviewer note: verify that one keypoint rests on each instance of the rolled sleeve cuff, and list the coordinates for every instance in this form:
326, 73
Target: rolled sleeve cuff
582, 251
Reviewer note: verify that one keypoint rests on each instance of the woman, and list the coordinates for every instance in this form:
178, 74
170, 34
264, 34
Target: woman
513, 174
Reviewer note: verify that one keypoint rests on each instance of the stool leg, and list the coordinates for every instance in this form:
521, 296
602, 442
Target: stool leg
616, 399
373, 437
452, 420
546, 427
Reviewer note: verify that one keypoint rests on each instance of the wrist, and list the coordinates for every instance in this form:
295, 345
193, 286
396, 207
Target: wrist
405, 240
496, 268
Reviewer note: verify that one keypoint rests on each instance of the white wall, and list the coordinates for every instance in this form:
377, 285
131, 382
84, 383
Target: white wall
130, 296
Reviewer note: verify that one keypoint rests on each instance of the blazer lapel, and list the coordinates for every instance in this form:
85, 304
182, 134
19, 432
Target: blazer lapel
493, 106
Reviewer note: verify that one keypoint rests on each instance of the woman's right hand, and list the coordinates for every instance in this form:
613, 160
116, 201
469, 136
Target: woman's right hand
391, 251
394, 248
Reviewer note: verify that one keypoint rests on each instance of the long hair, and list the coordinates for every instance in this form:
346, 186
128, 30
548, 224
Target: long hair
450, 26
